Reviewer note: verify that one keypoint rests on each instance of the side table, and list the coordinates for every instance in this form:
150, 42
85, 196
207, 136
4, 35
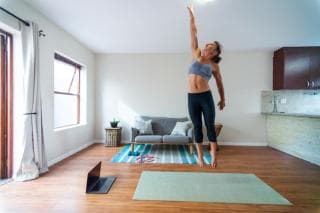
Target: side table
113, 136
218, 128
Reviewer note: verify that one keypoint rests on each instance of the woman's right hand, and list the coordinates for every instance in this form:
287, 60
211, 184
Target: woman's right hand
221, 104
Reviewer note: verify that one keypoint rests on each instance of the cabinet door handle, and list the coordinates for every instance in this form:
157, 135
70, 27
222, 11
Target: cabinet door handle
312, 85
308, 84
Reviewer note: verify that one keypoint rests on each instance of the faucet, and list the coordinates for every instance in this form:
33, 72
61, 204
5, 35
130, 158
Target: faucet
275, 108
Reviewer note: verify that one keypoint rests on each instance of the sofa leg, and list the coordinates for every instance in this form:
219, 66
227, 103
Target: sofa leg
191, 148
132, 147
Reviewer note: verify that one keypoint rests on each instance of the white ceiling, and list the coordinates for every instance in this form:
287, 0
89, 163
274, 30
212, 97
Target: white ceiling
158, 26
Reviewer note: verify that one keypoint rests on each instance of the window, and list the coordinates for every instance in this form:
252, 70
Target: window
66, 92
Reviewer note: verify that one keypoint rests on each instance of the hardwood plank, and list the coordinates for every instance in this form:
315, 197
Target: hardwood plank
63, 188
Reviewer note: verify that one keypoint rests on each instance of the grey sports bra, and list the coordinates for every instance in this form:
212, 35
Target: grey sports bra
204, 70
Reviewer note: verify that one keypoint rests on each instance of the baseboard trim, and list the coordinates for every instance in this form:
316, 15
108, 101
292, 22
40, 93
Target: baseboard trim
220, 143
68, 154
99, 141
243, 143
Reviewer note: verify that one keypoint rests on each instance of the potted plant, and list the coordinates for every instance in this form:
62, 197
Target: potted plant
114, 123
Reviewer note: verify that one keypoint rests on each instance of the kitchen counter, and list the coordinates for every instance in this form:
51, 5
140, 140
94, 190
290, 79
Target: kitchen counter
295, 134
289, 131
292, 114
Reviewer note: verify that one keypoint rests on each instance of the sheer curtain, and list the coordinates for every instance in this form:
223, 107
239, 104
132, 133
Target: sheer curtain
32, 161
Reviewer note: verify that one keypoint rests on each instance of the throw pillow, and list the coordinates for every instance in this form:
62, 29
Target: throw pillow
144, 127
181, 128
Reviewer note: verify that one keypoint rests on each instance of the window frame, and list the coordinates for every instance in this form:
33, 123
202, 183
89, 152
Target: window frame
78, 69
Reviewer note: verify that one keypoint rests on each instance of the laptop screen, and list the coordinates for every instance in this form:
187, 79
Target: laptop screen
93, 176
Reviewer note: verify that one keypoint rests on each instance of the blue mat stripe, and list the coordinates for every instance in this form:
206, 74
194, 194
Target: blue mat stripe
183, 155
117, 157
193, 158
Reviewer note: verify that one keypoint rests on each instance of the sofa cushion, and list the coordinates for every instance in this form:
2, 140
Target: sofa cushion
149, 138
163, 125
175, 139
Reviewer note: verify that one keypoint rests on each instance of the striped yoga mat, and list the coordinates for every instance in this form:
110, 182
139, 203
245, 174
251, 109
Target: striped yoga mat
175, 154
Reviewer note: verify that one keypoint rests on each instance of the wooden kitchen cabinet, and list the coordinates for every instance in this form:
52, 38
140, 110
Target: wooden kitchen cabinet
315, 68
296, 68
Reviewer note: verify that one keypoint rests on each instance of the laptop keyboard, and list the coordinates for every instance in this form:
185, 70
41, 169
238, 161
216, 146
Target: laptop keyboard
99, 185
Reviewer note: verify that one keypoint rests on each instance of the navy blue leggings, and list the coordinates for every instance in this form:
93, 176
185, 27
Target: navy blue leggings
199, 103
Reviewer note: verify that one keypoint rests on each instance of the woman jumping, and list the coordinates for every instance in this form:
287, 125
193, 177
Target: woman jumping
205, 64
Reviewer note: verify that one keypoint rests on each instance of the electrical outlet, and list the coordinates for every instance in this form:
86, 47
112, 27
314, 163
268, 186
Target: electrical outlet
283, 100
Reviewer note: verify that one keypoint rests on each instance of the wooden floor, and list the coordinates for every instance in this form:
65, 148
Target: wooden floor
63, 188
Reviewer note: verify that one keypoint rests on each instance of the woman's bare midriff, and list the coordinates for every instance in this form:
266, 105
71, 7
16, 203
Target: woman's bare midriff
197, 84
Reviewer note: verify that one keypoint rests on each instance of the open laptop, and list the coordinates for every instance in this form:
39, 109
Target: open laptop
97, 184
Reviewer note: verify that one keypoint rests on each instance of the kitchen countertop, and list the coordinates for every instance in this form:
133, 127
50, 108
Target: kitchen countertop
292, 114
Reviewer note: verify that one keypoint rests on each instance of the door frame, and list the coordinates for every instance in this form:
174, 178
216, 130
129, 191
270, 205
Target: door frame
6, 90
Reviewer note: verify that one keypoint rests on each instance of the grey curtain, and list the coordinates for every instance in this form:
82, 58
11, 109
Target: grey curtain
33, 160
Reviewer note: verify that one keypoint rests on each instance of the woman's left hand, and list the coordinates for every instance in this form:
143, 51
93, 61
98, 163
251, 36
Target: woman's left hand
191, 11
221, 104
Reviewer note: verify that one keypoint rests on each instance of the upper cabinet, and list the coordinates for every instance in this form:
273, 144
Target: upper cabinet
315, 68
296, 68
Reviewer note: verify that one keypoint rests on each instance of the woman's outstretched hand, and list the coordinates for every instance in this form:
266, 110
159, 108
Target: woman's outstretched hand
221, 104
191, 12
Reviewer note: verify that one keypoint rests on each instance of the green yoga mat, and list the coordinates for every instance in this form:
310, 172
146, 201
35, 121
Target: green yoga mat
206, 187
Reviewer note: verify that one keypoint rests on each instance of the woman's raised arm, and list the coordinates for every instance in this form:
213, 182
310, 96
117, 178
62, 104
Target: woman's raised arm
193, 31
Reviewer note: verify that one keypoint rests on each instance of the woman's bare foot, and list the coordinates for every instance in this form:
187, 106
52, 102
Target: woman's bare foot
213, 152
200, 162
214, 160
200, 154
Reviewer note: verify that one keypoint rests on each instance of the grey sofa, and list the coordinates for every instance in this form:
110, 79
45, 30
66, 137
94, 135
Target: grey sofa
162, 127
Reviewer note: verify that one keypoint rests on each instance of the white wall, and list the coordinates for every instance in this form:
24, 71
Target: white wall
156, 84
59, 143
245, 75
